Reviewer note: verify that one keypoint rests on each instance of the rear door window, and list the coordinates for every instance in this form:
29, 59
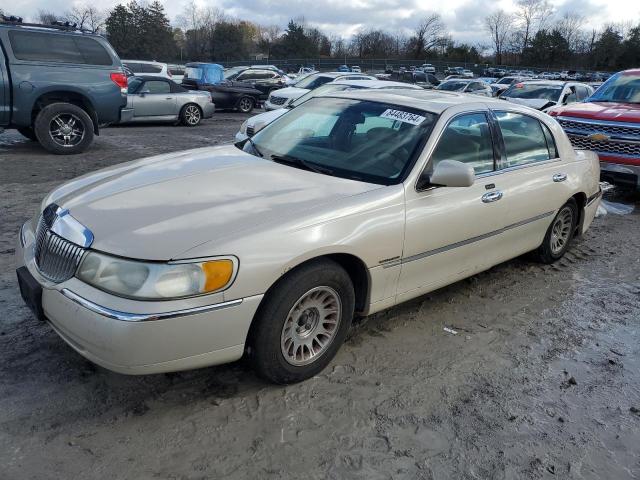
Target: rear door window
60, 48
524, 139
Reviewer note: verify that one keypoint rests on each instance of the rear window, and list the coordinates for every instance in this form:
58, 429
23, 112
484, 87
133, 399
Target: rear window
51, 47
151, 68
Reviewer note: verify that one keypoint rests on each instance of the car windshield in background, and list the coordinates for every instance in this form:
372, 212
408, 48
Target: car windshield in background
505, 81
621, 87
313, 81
193, 73
542, 92
360, 140
452, 86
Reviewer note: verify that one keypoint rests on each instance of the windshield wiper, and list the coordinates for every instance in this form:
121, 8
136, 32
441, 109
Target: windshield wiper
300, 163
255, 147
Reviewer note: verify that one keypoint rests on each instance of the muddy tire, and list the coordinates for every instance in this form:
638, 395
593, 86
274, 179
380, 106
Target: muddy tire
28, 132
559, 235
64, 129
190, 115
245, 104
302, 322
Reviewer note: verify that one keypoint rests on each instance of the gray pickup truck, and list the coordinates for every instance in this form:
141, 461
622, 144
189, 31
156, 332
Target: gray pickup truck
58, 85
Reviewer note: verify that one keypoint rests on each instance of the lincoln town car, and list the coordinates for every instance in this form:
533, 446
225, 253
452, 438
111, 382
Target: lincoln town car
347, 205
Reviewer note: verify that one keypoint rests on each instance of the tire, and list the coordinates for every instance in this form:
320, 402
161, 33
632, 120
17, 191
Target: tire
281, 327
28, 132
190, 115
64, 129
559, 235
245, 104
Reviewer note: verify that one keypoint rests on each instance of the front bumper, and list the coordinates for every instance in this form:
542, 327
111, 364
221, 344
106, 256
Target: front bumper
126, 115
143, 337
208, 110
620, 174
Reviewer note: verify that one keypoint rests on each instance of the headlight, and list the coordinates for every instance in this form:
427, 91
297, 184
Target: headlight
147, 280
243, 127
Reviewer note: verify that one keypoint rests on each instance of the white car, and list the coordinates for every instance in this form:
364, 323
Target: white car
284, 96
428, 68
467, 73
146, 68
256, 123
176, 72
347, 205
546, 94
465, 85
356, 69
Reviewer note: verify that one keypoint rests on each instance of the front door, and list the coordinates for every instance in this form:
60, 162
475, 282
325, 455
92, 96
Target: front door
449, 230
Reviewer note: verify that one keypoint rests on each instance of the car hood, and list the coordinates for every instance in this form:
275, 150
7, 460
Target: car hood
259, 121
536, 103
612, 111
160, 207
290, 92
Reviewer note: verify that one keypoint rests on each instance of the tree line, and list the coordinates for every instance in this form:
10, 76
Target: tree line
533, 35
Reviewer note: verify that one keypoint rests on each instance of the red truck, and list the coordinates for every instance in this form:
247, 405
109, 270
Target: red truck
608, 123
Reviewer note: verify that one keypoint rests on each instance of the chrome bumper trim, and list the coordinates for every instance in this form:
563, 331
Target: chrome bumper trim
144, 317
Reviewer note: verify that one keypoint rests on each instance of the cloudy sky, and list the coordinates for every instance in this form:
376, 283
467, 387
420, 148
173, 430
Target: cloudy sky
344, 17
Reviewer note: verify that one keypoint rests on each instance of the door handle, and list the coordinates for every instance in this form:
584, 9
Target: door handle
168, 98
559, 177
490, 197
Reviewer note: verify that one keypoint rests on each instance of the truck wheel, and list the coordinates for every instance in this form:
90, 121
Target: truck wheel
190, 115
64, 128
559, 235
302, 322
245, 104
28, 133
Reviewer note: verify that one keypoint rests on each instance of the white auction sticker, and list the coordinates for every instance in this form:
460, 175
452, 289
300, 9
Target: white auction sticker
401, 116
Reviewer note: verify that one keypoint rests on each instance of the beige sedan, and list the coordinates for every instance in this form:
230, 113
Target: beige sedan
347, 205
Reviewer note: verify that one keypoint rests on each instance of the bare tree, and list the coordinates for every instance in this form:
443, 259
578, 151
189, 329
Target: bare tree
46, 17
427, 35
86, 17
499, 25
531, 16
569, 27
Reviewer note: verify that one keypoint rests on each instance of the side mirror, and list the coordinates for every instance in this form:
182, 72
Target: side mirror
451, 173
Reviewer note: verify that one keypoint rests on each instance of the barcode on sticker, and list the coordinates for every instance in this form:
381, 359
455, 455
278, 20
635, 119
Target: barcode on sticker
401, 116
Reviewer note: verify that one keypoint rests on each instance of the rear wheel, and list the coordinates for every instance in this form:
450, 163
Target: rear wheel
64, 128
28, 133
302, 323
245, 104
558, 237
191, 115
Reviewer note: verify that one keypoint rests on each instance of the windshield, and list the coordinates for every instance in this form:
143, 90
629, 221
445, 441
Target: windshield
505, 80
452, 86
360, 140
313, 81
621, 87
193, 73
542, 92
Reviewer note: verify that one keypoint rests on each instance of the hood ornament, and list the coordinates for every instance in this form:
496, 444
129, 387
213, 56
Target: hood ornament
599, 137
64, 225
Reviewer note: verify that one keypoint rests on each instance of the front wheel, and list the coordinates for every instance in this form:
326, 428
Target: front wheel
302, 323
64, 128
245, 104
190, 115
558, 237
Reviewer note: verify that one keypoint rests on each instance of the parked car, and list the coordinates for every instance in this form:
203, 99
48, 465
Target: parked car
162, 100
256, 123
466, 86
428, 68
176, 73
356, 69
144, 67
264, 79
226, 94
58, 85
544, 95
467, 73
454, 71
425, 80
321, 216
608, 123
285, 96
343, 68
504, 83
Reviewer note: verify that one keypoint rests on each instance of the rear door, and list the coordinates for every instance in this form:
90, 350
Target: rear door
154, 100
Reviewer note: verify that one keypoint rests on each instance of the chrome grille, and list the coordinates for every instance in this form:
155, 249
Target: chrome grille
55, 257
250, 131
615, 147
277, 100
615, 130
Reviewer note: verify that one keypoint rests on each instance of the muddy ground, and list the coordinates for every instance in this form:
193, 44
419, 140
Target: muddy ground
542, 379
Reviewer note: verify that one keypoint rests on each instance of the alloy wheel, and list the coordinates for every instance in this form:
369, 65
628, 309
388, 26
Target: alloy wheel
561, 230
66, 129
245, 104
192, 115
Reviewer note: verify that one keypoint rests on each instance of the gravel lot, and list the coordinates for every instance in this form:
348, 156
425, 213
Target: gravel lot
542, 379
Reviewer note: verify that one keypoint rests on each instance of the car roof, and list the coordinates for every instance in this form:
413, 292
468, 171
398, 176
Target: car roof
149, 62
435, 101
461, 79
547, 82
377, 84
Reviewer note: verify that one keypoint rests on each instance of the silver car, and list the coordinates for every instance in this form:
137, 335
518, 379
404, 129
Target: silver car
159, 99
465, 85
